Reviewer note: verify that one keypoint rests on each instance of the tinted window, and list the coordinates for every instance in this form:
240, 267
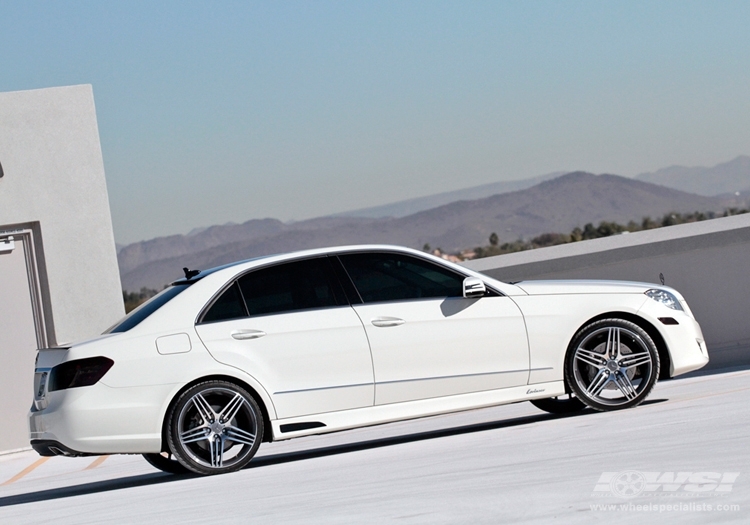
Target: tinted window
395, 277
287, 287
228, 306
143, 311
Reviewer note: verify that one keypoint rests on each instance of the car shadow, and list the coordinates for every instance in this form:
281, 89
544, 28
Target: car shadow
277, 459
653, 401
91, 488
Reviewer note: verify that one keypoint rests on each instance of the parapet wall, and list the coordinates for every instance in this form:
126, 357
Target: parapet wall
708, 262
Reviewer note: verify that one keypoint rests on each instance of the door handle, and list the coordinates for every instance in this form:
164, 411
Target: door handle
383, 322
241, 335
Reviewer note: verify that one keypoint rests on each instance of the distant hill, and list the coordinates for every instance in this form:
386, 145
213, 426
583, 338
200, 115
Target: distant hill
726, 178
556, 205
411, 206
133, 255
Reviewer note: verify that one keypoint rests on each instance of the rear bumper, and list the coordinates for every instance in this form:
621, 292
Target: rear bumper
99, 419
48, 447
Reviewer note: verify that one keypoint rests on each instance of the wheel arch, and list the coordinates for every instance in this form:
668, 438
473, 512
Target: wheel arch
267, 429
650, 329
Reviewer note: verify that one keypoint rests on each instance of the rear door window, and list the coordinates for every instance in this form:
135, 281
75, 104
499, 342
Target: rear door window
287, 287
228, 306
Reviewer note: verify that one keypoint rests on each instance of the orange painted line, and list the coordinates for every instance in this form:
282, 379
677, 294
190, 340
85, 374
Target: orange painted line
98, 461
25, 471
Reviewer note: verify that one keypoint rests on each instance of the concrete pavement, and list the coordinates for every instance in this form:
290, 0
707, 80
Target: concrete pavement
503, 464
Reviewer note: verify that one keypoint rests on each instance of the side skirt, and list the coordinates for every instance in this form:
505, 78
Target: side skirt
375, 415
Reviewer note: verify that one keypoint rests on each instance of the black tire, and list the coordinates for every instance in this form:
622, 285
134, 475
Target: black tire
612, 364
566, 404
215, 427
165, 463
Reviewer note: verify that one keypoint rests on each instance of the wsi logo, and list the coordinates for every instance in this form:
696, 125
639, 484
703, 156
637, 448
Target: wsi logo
632, 483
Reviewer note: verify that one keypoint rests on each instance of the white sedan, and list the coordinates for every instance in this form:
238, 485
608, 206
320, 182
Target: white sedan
323, 340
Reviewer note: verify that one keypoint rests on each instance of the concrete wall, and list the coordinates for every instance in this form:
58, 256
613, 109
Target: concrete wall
708, 262
54, 204
18, 339
54, 177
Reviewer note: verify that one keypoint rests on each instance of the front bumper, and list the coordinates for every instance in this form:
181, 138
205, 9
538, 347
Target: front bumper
684, 340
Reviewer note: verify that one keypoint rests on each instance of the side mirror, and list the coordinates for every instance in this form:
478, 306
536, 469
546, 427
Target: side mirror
474, 287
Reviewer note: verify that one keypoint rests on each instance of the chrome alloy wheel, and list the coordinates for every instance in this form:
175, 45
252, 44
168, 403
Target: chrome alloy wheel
216, 427
614, 364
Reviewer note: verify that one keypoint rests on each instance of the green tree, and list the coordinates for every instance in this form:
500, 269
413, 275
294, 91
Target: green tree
134, 299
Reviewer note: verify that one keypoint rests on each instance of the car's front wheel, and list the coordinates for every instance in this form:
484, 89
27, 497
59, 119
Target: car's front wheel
612, 364
215, 427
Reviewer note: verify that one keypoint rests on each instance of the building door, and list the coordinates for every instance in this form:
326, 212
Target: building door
18, 342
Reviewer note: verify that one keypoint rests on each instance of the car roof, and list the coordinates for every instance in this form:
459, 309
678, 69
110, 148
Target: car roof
300, 254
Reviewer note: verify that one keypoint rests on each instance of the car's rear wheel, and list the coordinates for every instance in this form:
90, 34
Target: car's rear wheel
612, 364
166, 463
215, 427
559, 405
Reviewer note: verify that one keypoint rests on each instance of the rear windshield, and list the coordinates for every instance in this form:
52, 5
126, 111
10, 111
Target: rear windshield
143, 311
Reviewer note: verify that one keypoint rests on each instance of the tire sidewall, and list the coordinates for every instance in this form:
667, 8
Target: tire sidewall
585, 332
178, 450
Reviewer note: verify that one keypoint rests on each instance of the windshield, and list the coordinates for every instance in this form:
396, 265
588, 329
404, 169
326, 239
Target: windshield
143, 311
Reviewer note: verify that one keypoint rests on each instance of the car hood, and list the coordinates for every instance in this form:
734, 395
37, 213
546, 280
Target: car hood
584, 287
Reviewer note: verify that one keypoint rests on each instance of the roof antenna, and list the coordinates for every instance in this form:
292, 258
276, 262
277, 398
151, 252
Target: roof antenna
189, 274
661, 277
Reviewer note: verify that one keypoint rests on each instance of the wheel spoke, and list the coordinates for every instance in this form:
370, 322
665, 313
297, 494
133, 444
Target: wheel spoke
626, 387
597, 384
633, 360
217, 452
590, 358
612, 349
619, 345
238, 435
195, 434
230, 411
204, 409
629, 383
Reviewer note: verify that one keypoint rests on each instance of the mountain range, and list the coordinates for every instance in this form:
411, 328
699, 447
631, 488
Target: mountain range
558, 204
727, 178
411, 206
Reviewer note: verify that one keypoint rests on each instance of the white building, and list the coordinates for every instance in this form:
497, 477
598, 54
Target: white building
59, 279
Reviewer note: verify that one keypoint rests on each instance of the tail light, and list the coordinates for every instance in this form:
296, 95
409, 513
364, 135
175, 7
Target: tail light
81, 372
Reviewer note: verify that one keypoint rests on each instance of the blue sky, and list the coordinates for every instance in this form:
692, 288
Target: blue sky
212, 112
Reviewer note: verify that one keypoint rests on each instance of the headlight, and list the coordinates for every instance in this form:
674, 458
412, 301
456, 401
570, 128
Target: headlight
665, 298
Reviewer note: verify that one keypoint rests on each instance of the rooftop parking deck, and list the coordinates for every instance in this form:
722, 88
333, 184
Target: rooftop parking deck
504, 464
